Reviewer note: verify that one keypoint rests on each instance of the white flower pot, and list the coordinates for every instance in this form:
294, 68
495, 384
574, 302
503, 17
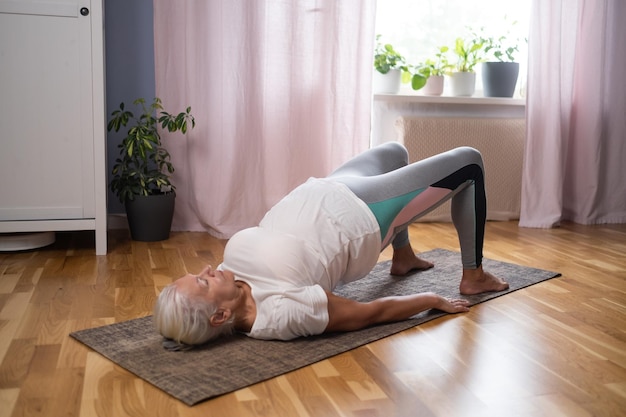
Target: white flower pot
463, 83
387, 83
434, 86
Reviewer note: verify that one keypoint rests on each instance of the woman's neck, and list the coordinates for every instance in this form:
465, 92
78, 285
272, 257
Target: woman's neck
245, 312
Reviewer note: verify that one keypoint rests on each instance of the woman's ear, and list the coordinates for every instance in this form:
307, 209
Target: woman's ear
220, 317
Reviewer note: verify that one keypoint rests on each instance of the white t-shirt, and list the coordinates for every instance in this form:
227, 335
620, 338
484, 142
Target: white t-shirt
319, 235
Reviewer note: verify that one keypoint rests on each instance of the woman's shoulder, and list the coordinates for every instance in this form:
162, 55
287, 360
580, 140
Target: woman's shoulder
285, 314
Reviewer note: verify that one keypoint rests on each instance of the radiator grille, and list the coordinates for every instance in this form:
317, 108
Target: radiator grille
500, 141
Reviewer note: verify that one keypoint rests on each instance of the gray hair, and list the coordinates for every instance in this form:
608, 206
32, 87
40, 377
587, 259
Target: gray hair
186, 320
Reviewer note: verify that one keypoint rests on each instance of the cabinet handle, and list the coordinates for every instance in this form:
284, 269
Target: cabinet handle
84, 11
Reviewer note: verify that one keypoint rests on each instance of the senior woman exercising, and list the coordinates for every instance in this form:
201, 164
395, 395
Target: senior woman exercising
276, 279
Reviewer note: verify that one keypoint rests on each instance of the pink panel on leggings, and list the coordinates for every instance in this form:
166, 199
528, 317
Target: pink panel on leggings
416, 208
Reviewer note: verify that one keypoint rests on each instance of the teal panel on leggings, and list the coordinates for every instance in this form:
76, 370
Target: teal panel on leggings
386, 211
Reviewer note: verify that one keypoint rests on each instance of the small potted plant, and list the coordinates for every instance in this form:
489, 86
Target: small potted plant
141, 174
469, 54
388, 64
500, 71
434, 70
392, 69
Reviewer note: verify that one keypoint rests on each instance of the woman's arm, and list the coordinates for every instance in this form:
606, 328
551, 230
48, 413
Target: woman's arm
346, 315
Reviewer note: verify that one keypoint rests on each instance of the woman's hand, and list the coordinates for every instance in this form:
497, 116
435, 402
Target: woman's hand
452, 305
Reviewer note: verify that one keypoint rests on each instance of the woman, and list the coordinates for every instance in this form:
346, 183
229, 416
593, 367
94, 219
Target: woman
276, 279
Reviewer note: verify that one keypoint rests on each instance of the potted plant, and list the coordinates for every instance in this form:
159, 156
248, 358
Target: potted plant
388, 64
434, 70
469, 54
392, 69
411, 74
500, 72
141, 174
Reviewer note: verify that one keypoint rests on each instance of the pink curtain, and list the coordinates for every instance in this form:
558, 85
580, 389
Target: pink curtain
281, 91
575, 158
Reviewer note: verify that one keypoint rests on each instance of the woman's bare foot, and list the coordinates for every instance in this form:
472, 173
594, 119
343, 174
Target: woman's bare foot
477, 281
404, 261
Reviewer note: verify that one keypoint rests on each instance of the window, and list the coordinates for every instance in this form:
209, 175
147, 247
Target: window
417, 28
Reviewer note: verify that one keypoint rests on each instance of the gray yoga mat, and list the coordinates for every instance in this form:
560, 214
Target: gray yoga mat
231, 363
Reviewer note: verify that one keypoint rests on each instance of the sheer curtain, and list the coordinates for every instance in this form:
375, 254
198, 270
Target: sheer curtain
281, 91
575, 158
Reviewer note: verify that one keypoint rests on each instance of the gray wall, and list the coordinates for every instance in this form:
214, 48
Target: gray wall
129, 66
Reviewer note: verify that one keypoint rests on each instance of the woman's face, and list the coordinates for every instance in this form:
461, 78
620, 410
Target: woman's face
210, 285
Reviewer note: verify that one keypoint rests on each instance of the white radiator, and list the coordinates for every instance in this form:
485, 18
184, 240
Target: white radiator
500, 141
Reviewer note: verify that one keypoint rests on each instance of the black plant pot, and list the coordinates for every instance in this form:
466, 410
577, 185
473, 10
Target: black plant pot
150, 217
500, 78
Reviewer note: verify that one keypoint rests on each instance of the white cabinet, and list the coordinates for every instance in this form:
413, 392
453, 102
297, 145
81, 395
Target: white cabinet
52, 117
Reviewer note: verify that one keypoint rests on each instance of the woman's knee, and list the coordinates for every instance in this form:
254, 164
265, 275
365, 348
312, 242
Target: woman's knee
395, 151
469, 155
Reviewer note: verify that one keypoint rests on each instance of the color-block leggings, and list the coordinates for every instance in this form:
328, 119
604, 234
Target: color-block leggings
398, 193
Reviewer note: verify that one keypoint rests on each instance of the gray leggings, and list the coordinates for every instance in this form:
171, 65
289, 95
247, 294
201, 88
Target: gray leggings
398, 193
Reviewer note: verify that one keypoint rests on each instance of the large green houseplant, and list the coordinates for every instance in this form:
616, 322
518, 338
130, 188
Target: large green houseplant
141, 174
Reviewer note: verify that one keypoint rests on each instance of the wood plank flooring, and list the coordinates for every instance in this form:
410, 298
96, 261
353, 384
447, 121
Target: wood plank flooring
554, 349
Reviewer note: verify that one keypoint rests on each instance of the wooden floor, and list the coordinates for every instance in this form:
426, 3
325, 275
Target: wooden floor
554, 349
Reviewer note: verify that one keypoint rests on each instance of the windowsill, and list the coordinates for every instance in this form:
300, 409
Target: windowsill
477, 100
386, 108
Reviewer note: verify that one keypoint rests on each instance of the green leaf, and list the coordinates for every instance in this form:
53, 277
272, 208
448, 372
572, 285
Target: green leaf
418, 81
476, 47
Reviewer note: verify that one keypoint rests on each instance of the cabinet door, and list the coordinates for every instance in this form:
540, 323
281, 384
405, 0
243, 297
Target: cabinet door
46, 114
